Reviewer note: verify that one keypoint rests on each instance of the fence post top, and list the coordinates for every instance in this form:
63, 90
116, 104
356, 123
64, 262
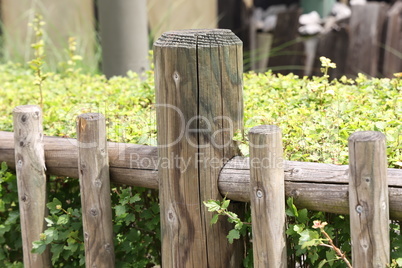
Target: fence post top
195, 38
265, 129
27, 109
365, 136
91, 116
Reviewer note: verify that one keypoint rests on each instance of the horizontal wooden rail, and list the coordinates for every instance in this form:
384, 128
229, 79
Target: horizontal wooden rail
315, 186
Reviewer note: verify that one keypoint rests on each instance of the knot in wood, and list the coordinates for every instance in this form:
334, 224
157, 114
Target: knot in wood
24, 198
295, 193
108, 248
97, 183
176, 76
367, 179
93, 212
86, 236
36, 115
170, 215
24, 118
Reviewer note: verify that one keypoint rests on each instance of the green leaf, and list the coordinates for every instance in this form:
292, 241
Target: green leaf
291, 210
313, 256
120, 210
331, 257
309, 238
321, 264
214, 219
233, 234
51, 235
38, 247
225, 204
212, 205
298, 228
63, 219
303, 216
56, 250
53, 206
135, 198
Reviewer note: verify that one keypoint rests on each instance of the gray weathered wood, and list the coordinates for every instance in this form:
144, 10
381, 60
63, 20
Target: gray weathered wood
365, 33
124, 36
137, 165
287, 53
393, 41
31, 179
332, 45
368, 199
267, 196
93, 166
198, 79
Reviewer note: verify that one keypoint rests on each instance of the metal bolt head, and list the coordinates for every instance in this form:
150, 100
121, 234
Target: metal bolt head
259, 193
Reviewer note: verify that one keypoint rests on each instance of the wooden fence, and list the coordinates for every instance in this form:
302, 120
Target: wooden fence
198, 78
373, 29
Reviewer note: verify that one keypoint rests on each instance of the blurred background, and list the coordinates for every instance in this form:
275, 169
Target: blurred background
114, 37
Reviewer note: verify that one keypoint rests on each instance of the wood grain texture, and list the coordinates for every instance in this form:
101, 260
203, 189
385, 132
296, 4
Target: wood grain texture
365, 38
93, 166
287, 53
267, 196
31, 180
393, 41
368, 199
137, 165
198, 78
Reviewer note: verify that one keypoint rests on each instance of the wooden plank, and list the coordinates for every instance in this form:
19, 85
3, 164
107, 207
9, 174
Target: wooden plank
137, 165
267, 196
31, 180
197, 72
332, 45
93, 166
393, 41
365, 33
368, 199
287, 53
221, 114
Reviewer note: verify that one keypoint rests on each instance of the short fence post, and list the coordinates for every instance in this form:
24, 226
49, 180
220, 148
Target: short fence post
31, 179
368, 199
93, 166
267, 196
198, 79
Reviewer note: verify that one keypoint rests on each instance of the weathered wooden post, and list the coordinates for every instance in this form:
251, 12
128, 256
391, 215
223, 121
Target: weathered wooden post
368, 199
267, 196
198, 77
31, 179
124, 36
93, 167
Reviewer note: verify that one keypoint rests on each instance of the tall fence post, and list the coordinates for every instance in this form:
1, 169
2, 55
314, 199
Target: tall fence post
93, 166
198, 78
368, 199
31, 179
267, 196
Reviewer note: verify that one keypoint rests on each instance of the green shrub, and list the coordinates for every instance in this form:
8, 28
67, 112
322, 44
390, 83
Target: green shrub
316, 117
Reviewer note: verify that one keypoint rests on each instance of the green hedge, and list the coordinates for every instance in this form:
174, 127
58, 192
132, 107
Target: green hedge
316, 116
